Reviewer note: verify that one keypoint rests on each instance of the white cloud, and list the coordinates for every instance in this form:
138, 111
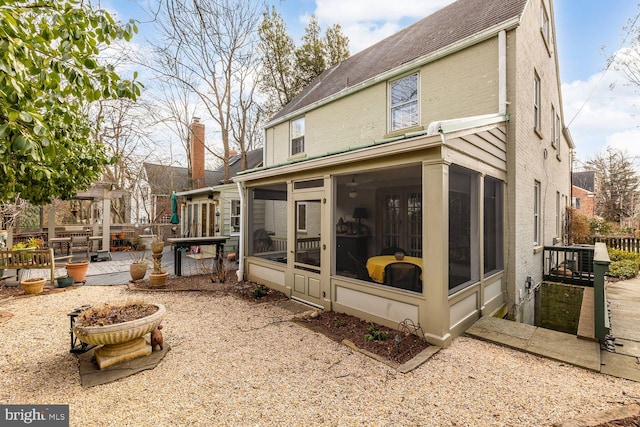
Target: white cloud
366, 22
627, 141
608, 117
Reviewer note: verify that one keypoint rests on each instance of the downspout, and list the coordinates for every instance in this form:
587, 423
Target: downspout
240, 272
502, 73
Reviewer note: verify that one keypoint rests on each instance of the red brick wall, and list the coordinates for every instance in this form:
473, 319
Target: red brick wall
587, 201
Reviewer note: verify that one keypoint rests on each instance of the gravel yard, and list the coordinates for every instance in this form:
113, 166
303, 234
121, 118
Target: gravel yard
236, 363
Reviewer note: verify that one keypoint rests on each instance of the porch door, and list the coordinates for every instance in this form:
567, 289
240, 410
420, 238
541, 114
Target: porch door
309, 247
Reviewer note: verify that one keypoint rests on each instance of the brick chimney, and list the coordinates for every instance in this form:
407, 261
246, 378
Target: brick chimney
232, 152
197, 154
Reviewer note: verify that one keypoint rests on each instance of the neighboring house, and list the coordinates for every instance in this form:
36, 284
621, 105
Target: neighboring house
165, 180
583, 192
212, 208
445, 140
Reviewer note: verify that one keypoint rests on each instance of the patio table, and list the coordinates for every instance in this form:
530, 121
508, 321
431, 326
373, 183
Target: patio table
180, 243
62, 242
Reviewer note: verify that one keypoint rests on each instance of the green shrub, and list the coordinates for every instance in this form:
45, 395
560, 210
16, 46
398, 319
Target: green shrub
624, 269
620, 255
259, 291
376, 334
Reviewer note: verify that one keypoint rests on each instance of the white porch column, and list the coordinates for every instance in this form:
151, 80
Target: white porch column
434, 317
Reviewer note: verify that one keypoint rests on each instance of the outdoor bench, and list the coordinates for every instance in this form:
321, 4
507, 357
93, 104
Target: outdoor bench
30, 259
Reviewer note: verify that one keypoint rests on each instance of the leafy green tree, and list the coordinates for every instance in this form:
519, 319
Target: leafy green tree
337, 45
279, 74
49, 71
311, 55
287, 68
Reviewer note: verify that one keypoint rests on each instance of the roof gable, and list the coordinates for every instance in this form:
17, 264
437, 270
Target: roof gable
443, 28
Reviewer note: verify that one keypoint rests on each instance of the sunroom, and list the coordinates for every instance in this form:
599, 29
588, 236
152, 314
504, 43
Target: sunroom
410, 228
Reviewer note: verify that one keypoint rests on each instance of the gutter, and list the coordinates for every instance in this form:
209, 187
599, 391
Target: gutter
203, 190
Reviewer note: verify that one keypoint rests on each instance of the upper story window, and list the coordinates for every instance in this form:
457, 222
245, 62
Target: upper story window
553, 126
404, 102
545, 26
557, 136
536, 103
297, 136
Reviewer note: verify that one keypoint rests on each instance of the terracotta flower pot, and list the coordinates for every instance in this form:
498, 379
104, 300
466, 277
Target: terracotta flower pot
78, 270
138, 270
158, 280
33, 285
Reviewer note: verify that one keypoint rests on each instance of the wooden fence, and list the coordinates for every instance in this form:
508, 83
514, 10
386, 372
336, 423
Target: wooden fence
630, 244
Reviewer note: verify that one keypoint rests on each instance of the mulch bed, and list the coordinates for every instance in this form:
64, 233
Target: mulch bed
398, 347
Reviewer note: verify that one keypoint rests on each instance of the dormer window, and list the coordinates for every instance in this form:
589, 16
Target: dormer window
404, 102
297, 136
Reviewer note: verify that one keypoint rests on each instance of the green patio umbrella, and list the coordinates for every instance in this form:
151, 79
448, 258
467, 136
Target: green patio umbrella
175, 219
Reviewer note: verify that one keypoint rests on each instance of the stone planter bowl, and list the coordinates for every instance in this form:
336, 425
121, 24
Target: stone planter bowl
120, 332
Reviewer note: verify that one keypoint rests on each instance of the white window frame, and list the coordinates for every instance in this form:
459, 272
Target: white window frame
558, 230
537, 229
414, 116
545, 24
553, 126
557, 136
297, 132
234, 217
537, 117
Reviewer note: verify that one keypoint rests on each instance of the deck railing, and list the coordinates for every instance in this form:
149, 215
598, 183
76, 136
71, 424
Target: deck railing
584, 265
569, 264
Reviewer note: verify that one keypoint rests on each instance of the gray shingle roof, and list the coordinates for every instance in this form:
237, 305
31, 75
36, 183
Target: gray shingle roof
165, 179
451, 24
585, 180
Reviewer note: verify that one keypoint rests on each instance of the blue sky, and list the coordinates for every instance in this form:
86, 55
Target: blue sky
600, 109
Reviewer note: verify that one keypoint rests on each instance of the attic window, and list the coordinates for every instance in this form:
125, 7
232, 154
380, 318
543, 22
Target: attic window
297, 136
404, 102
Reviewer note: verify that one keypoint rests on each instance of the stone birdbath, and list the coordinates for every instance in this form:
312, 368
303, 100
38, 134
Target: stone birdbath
120, 342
